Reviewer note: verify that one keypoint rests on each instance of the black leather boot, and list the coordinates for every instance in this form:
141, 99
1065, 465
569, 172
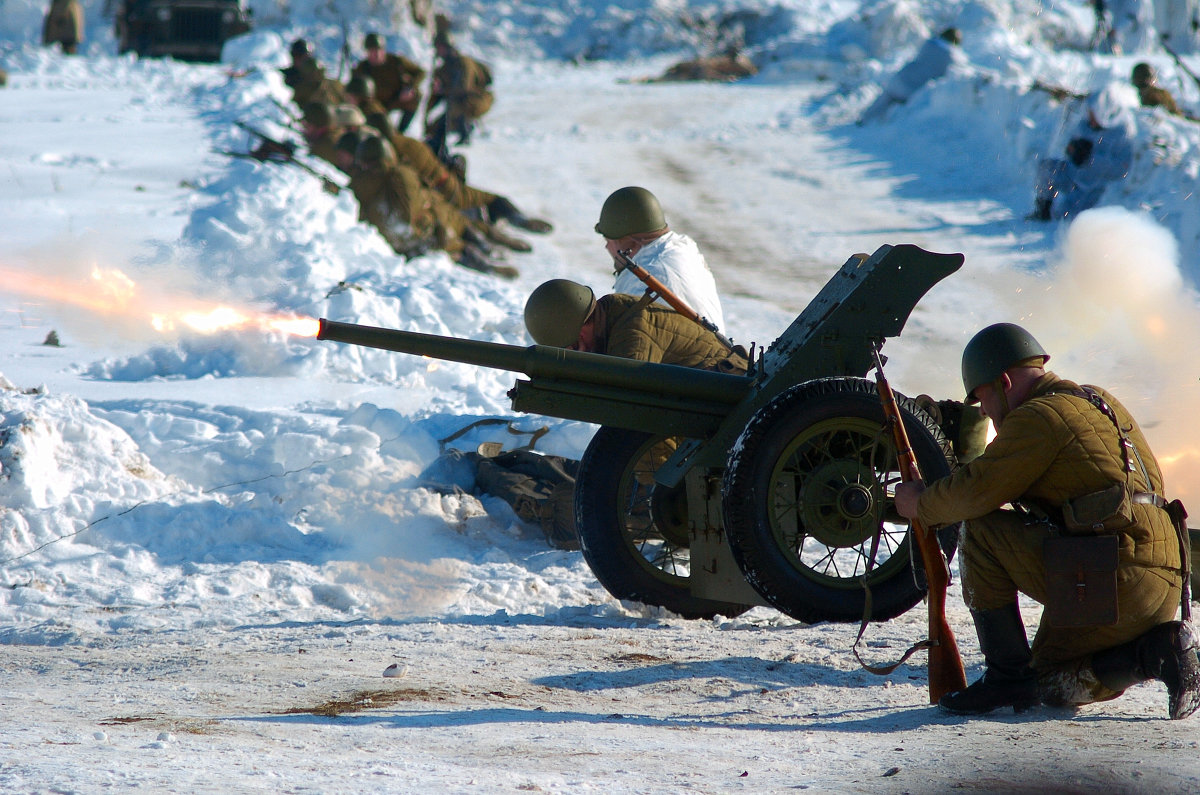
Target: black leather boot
502, 208
1166, 653
1008, 681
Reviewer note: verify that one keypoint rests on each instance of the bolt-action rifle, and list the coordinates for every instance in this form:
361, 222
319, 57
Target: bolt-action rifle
946, 674
625, 262
1058, 93
271, 150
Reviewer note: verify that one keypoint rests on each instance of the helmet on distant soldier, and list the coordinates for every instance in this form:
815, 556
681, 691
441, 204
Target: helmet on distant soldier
361, 86
373, 41
994, 350
951, 35
348, 142
373, 149
1143, 75
556, 311
380, 122
630, 211
318, 114
348, 116
301, 49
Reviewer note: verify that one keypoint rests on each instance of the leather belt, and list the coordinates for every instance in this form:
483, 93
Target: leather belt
1147, 498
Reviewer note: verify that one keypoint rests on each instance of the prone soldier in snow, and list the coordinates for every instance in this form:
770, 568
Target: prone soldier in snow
321, 132
488, 207
727, 67
411, 218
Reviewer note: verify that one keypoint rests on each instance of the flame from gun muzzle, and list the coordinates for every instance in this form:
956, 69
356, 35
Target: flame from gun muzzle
108, 291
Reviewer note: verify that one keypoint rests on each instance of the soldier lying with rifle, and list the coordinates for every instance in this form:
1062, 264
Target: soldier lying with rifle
271, 150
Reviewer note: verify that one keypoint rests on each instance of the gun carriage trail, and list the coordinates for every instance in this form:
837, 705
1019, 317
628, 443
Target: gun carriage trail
254, 588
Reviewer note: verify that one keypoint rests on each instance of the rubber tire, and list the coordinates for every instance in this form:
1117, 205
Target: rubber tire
775, 569
601, 488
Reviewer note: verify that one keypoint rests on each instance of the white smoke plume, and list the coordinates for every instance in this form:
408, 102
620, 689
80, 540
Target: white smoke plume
1118, 313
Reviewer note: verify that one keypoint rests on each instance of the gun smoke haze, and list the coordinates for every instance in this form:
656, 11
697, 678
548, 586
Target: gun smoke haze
1117, 313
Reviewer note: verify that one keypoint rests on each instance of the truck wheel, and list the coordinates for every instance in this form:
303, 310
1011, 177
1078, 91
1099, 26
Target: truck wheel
631, 532
808, 486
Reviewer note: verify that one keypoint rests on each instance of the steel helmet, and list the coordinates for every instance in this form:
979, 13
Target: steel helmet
301, 49
556, 311
348, 142
630, 211
374, 149
348, 116
992, 351
1143, 75
373, 41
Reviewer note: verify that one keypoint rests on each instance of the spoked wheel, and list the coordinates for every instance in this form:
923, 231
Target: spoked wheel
810, 486
634, 534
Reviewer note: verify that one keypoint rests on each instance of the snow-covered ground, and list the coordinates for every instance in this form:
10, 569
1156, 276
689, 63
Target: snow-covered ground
211, 538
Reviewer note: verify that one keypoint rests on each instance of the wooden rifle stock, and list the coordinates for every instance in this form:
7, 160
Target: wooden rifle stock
946, 674
675, 302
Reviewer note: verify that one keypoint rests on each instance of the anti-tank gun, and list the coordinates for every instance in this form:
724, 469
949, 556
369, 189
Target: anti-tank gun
707, 493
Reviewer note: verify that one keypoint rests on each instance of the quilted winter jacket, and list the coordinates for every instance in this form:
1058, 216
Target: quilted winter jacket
652, 333
1052, 448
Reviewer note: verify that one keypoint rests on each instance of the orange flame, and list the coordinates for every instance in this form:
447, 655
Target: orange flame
111, 292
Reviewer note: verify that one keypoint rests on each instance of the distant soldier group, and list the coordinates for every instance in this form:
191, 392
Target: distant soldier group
416, 199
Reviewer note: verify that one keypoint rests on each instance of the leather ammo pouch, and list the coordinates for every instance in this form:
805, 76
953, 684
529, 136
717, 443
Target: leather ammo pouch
1081, 580
1081, 570
1104, 511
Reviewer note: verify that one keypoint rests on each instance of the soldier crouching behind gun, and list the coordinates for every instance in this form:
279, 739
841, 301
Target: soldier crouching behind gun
1057, 447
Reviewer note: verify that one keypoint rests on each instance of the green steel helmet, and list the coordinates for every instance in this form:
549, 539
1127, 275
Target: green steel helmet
373, 41
373, 149
951, 35
992, 351
318, 114
348, 142
361, 86
630, 211
379, 121
301, 49
348, 116
556, 311
1143, 75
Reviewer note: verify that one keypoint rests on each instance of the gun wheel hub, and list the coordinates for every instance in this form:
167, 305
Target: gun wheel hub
841, 503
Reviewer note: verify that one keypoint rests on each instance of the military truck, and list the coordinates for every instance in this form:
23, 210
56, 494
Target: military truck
189, 30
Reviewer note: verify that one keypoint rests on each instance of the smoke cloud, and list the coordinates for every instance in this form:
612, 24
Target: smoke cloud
1118, 313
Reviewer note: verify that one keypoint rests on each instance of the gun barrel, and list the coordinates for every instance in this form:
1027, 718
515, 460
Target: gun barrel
541, 361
